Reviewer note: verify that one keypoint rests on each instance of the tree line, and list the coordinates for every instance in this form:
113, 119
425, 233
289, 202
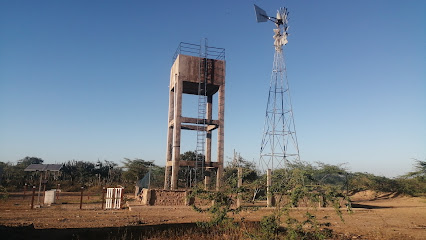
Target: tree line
77, 173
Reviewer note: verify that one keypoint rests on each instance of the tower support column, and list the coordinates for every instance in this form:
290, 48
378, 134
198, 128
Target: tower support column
208, 156
177, 123
169, 150
220, 135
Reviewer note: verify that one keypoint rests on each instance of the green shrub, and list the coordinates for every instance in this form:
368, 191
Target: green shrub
269, 226
4, 195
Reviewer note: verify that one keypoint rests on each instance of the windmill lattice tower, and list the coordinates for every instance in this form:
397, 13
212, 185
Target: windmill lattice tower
279, 142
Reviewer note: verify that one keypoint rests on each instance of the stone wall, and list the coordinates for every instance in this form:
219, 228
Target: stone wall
161, 197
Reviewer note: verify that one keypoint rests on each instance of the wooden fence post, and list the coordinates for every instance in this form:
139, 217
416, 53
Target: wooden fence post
32, 198
81, 198
25, 190
103, 197
57, 191
239, 185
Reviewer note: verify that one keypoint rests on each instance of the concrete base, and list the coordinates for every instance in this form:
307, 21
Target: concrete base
49, 197
160, 197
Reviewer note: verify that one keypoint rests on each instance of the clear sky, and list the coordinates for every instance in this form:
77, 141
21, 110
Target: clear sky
88, 80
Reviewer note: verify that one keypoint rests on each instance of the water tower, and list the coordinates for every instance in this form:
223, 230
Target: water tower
197, 70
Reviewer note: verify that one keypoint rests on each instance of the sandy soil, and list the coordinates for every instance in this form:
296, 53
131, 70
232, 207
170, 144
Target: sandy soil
375, 216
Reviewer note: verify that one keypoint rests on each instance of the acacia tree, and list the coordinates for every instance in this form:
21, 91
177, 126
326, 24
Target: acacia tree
14, 175
26, 161
419, 169
7, 174
135, 169
105, 171
80, 172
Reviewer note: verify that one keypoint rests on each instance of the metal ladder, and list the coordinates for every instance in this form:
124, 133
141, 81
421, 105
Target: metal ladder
201, 118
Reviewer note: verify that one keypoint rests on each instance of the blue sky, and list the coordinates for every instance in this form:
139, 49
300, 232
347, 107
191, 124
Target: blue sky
88, 80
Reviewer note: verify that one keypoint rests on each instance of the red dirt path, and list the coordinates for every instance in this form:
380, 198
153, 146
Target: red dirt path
375, 216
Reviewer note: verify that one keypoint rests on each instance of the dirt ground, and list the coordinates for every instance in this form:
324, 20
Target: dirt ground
375, 216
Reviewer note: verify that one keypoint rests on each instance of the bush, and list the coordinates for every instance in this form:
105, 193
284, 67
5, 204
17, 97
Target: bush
364, 181
4, 195
413, 186
269, 226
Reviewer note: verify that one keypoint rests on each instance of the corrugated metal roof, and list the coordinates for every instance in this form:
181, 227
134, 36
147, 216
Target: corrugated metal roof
43, 167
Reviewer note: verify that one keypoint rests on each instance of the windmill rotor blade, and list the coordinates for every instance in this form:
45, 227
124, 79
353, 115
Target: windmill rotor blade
260, 14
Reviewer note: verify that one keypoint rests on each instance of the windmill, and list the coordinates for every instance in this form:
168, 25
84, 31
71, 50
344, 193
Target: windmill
281, 22
279, 142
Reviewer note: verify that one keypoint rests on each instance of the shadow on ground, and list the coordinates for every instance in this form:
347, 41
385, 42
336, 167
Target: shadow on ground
128, 232
365, 206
